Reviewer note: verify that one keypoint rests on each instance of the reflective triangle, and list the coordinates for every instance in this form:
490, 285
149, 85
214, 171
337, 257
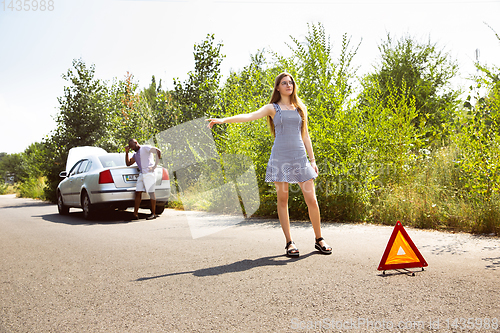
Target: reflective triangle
401, 252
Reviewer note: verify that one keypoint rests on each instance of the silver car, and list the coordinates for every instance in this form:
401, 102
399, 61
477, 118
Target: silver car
96, 180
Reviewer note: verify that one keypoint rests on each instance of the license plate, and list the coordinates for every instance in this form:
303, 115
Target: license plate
131, 178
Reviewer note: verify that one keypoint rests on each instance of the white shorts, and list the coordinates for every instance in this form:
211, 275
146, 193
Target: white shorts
146, 182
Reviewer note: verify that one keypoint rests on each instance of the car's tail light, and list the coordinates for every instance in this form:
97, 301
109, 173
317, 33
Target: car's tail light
105, 177
164, 175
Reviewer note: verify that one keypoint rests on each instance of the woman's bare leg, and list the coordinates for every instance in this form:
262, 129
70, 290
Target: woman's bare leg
309, 193
282, 205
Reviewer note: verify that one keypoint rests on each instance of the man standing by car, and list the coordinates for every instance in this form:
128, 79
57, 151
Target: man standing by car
146, 158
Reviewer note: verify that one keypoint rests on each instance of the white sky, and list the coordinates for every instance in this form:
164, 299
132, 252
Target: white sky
157, 37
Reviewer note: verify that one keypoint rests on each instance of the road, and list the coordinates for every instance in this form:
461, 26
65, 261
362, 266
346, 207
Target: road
64, 274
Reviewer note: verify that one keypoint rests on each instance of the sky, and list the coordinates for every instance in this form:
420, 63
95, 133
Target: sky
156, 37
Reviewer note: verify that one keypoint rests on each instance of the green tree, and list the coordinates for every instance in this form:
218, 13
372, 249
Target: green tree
423, 72
488, 78
198, 95
11, 165
325, 83
3, 172
246, 91
83, 117
83, 120
478, 137
159, 101
33, 160
132, 115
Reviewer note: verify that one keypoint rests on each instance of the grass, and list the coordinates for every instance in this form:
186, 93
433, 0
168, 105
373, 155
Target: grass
32, 188
435, 196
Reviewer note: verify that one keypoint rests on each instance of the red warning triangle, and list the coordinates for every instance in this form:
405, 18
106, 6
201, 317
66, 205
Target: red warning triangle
401, 252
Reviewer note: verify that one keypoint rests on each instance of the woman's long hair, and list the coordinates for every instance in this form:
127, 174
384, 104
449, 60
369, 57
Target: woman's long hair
296, 101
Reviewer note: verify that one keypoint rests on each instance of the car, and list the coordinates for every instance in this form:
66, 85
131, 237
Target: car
95, 180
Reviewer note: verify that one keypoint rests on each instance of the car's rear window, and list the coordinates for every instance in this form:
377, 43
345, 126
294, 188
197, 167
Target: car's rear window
112, 160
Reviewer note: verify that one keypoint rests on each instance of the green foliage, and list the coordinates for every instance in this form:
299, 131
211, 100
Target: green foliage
7, 188
3, 188
198, 95
83, 117
478, 137
33, 161
456, 187
133, 114
83, 120
26, 170
424, 73
246, 91
159, 101
32, 188
325, 85
400, 150
10, 165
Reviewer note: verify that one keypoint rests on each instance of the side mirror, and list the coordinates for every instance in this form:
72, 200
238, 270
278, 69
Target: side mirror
63, 174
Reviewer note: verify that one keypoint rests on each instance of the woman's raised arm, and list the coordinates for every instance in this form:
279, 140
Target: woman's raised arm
266, 110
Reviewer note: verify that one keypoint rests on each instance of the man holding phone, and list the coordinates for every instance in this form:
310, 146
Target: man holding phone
147, 158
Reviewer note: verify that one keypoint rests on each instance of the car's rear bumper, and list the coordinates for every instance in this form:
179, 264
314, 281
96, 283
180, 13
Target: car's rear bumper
125, 196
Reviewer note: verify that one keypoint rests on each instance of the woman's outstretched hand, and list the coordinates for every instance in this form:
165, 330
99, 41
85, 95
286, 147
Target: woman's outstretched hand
213, 121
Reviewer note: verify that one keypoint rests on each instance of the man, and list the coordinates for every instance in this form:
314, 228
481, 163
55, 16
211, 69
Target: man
146, 158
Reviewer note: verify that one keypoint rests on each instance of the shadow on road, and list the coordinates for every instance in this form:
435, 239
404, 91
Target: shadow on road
495, 263
408, 272
76, 218
239, 266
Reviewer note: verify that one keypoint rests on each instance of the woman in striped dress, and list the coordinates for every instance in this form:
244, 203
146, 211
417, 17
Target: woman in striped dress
289, 162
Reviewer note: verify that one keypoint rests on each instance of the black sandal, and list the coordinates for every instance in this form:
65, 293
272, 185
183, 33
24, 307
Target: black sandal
322, 249
293, 252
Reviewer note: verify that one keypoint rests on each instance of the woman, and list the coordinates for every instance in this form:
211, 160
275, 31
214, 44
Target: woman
287, 117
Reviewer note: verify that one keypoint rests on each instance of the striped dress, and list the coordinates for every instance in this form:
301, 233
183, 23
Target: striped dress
288, 162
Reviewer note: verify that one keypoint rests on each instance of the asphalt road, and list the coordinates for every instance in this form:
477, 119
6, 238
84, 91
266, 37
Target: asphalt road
64, 274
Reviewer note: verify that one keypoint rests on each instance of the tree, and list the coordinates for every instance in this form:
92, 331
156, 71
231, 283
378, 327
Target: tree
478, 136
33, 160
423, 73
83, 120
489, 78
11, 165
83, 116
132, 115
198, 95
325, 83
159, 101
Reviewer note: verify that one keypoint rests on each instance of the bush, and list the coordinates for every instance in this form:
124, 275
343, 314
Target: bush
32, 188
437, 196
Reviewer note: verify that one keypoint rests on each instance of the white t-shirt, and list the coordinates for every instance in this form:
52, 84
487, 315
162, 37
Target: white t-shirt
145, 159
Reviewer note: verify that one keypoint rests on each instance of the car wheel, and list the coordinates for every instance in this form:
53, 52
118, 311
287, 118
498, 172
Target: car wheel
61, 207
88, 210
160, 209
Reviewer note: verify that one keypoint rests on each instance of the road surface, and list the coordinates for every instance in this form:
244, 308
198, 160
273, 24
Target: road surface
65, 274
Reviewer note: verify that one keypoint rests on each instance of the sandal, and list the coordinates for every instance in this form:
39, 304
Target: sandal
322, 249
293, 252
